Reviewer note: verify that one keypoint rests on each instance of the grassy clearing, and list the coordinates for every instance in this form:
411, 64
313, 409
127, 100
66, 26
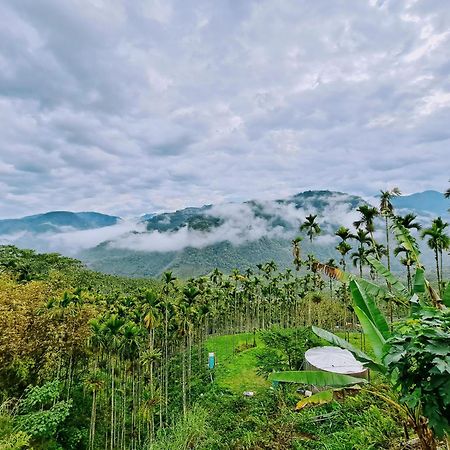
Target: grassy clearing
236, 370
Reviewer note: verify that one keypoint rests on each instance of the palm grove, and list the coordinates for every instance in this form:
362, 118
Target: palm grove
89, 360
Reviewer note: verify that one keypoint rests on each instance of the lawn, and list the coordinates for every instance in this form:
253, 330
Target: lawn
236, 369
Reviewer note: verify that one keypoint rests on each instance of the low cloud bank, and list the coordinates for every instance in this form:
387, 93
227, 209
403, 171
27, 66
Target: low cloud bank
239, 223
70, 242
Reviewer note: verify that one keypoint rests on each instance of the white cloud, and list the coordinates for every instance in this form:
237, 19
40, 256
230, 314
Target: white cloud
133, 107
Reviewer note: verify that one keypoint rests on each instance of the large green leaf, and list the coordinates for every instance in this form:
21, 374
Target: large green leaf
419, 281
377, 291
358, 354
372, 333
316, 378
366, 303
446, 295
391, 279
405, 239
320, 398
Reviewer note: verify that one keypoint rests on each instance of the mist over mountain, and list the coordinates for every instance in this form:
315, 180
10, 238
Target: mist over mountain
427, 202
57, 221
195, 240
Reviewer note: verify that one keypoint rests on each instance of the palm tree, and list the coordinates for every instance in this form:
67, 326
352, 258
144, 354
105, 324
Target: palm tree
343, 248
168, 287
368, 215
311, 226
343, 233
387, 210
408, 221
296, 252
438, 241
359, 258
362, 237
331, 263
407, 261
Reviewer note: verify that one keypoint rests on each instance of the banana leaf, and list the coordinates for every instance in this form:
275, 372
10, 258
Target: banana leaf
419, 281
358, 354
380, 292
405, 239
321, 398
367, 304
391, 279
316, 378
373, 334
446, 295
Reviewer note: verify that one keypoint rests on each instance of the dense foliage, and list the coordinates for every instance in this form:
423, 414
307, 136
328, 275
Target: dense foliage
90, 361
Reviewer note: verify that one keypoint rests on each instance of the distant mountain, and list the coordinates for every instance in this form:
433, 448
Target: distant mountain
57, 221
428, 202
194, 241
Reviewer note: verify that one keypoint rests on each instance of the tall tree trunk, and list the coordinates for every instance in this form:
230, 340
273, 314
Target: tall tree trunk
183, 373
388, 250
92, 425
166, 363
408, 275
112, 443
436, 257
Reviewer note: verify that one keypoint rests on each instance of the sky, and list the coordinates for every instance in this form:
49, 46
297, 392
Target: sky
131, 107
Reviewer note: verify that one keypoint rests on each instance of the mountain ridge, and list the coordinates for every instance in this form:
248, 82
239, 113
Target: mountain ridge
194, 240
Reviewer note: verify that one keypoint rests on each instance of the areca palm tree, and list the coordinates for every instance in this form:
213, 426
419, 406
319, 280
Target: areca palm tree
407, 261
311, 227
362, 237
438, 241
343, 248
387, 210
296, 252
344, 233
408, 221
359, 258
168, 288
368, 215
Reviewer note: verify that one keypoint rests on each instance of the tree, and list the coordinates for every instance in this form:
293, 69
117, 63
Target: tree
387, 210
408, 221
362, 237
359, 258
368, 215
296, 252
438, 242
343, 247
168, 288
311, 226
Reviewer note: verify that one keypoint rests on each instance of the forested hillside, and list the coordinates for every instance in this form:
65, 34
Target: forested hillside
89, 360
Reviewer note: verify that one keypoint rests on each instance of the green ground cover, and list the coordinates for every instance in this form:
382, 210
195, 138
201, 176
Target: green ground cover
236, 366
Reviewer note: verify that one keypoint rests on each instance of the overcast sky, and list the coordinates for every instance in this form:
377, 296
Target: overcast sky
128, 107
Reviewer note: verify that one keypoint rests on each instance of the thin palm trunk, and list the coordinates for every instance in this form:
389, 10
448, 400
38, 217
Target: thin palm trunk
387, 244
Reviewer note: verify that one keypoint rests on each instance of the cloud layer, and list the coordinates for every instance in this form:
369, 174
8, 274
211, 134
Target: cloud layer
132, 107
238, 223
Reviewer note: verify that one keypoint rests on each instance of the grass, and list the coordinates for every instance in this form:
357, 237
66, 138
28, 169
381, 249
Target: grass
236, 370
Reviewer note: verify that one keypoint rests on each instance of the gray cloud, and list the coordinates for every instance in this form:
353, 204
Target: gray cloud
131, 107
